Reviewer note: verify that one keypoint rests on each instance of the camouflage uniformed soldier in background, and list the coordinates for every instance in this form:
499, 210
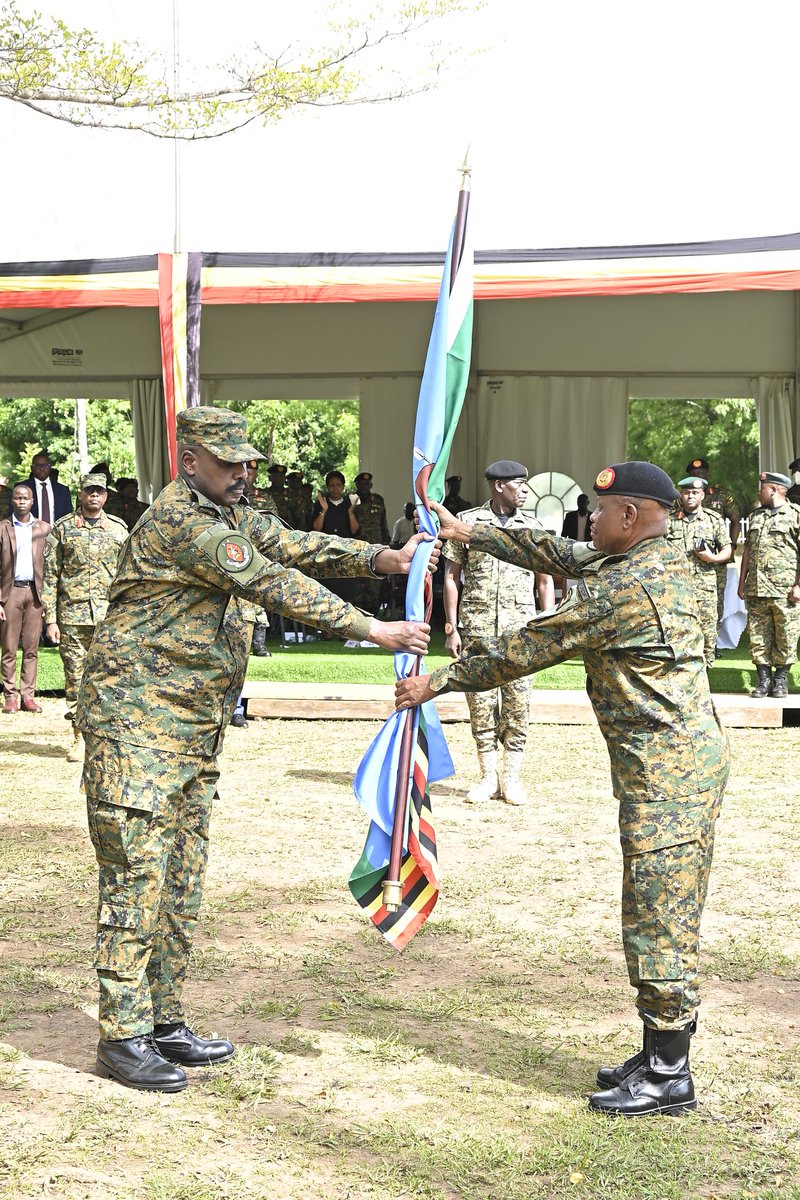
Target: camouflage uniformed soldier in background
793, 494
80, 558
769, 583
130, 506
162, 677
720, 500
497, 596
278, 492
113, 505
704, 539
298, 508
454, 502
632, 617
372, 527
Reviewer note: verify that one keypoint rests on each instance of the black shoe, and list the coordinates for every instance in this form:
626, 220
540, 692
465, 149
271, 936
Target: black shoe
764, 684
780, 683
610, 1077
178, 1044
137, 1063
259, 638
661, 1084
239, 721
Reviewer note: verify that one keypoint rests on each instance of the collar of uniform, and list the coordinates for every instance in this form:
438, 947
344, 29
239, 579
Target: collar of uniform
199, 499
487, 513
81, 521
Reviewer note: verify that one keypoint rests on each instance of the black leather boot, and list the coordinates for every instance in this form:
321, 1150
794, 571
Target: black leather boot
178, 1044
258, 647
764, 684
780, 683
661, 1084
137, 1063
609, 1077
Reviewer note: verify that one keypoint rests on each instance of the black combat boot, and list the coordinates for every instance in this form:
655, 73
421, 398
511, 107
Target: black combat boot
137, 1063
661, 1084
780, 683
259, 638
764, 684
609, 1077
177, 1043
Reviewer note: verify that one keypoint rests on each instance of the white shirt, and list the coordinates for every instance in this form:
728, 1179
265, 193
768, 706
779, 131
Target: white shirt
583, 527
23, 533
48, 487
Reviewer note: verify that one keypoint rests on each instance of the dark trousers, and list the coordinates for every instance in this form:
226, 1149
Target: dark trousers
23, 618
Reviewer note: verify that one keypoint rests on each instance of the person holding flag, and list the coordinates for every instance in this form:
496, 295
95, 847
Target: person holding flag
633, 617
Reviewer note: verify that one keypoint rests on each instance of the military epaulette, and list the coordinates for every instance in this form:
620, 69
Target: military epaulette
63, 520
116, 520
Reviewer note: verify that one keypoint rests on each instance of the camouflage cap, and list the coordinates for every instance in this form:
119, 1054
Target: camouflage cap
93, 480
218, 430
692, 481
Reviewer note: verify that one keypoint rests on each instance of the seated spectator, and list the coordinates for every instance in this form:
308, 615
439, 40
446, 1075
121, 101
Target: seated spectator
403, 527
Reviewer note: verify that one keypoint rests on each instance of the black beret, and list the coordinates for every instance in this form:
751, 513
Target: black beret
794, 466
643, 480
697, 464
276, 469
775, 477
506, 468
364, 477
453, 479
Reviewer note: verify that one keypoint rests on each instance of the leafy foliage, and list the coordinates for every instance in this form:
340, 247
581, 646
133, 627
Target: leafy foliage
33, 424
73, 75
312, 436
672, 432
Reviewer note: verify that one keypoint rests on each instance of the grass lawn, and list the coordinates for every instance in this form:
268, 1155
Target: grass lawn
330, 662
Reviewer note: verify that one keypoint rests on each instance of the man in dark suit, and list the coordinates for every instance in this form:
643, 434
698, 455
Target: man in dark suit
22, 539
51, 499
576, 523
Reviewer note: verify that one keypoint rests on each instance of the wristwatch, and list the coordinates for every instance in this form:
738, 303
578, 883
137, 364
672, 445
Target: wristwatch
448, 629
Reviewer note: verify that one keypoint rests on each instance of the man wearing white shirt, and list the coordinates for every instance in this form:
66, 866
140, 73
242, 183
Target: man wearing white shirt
22, 539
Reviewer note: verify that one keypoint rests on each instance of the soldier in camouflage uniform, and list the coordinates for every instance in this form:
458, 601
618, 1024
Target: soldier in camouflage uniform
80, 558
278, 493
769, 583
720, 500
632, 617
793, 494
298, 509
497, 596
161, 680
372, 527
705, 542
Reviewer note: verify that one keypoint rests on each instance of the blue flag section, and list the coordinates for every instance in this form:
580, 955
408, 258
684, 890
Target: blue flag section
398, 888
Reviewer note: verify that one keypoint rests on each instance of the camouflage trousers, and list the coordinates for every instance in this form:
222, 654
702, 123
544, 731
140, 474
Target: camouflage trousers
773, 626
149, 814
75, 641
500, 715
667, 849
368, 595
707, 611
721, 570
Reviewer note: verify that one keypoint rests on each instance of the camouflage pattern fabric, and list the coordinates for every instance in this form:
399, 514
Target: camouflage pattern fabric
298, 514
773, 627
633, 619
114, 505
497, 596
80, 558
281, 501
372, 527
74, 644
720, 500
159, 673
149, 813
773, 546
683, 532
129, 511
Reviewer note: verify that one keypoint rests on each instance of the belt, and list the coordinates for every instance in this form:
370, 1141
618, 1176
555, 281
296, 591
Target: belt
23, 583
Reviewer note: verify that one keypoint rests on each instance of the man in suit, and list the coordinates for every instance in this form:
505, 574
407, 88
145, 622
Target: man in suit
576, 523
51, 499
22, 540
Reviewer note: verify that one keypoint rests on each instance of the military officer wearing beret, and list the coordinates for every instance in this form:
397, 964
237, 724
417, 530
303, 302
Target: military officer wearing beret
161, 681
769, 583
720, 500
454, 502
632, 617
703, 538
80, 558
496, 596
370, 513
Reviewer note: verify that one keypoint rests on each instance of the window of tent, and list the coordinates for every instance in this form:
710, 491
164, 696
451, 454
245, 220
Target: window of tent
550, 496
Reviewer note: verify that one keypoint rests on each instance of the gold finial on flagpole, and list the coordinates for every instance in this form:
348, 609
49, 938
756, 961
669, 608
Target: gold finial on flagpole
465, 171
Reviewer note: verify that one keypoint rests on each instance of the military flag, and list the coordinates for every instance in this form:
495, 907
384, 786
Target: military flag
396, 880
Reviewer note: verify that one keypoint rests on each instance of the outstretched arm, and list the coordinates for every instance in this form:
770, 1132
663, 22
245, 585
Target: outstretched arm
533, 549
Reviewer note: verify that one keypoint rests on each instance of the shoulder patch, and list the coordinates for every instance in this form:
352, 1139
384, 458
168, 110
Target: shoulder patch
233, 552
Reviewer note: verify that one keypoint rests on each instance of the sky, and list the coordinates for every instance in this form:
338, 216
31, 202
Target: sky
588, 124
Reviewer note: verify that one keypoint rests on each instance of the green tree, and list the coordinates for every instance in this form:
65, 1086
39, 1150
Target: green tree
74, 75
312, 436
672, 432
33, 424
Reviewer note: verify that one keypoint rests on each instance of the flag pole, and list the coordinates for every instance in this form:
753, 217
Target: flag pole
392, 887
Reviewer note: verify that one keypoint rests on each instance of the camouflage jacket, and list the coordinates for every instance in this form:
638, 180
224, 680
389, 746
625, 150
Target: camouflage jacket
633, 619
773, 548
371, 517
496, 595
80, 559
281, 501
719, 500
684, 531
166, 667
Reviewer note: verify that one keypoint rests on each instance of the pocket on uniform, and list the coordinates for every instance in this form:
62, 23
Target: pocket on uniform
117, 948
656, 825
654, 967
121, 813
